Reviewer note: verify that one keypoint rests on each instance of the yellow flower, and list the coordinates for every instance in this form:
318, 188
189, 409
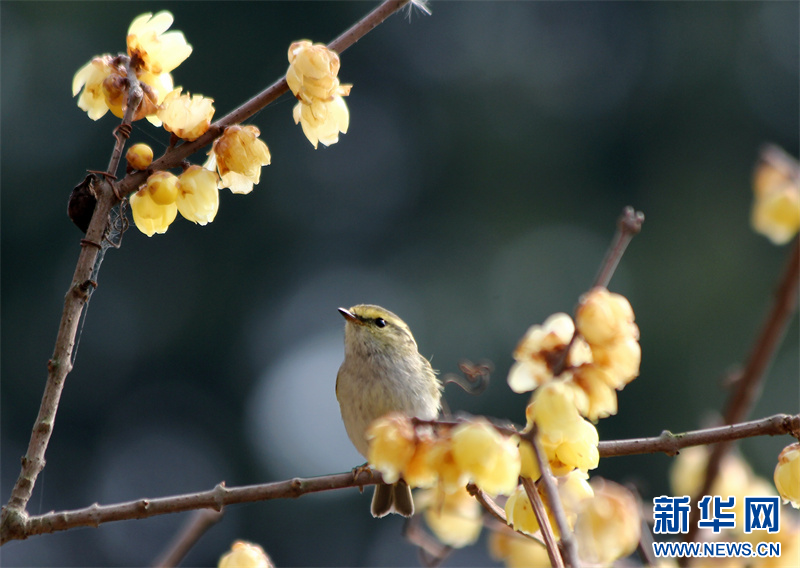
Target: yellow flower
89, 82
603, 317
238, 156
776, 205
245, 555
540, 347
312, 77
455, 518
787, 475
198, 196
188, 117
322, 121
151, 217
567, 439
312, 71
594, 382
163, 187
519, 512
620, 360
489, 458
139, 156
776, 215
391, 445
573, 490
158, 52
115, 91
608, 525
529, 466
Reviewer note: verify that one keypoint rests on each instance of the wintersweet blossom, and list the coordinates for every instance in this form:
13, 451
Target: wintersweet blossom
540, 347
776, 204
186, 116
489, 458
238, 155
151, 217
88, 81
312, 77
158, 50
603, 317
391, 445
455, 518
608, 525
198, 195
517, 551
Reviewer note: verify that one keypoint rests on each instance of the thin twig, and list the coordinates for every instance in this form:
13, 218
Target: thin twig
569, 548
748, 387
539, 511
487, 503
198, 525
216, 499
629, 225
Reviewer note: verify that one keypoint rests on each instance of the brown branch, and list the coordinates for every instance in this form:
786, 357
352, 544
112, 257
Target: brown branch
14, 515
220, 496
216, 499
175, 155
629, 225
569, 547
60, 364
539, 511
670, 443
487, 503
748, 387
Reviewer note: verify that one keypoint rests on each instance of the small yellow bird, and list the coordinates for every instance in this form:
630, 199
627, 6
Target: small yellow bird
383, 372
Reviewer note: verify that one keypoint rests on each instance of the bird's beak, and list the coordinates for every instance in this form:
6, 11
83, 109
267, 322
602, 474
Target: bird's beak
349, 316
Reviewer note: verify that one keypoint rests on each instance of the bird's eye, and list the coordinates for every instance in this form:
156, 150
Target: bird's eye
380, 322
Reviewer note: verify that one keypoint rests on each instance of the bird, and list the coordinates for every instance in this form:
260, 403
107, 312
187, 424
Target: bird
383, 372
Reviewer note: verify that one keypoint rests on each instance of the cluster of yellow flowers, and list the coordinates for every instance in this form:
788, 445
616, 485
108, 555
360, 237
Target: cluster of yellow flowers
736, 479
448, 459
235, 160
245, 555
575, 369
603, 515
776, 204
312, 77
153, 53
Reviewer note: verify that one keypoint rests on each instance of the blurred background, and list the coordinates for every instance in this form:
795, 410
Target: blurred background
491, 149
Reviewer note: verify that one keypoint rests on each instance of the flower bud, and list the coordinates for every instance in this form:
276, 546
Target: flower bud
139, 156
151, 217
603, 317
